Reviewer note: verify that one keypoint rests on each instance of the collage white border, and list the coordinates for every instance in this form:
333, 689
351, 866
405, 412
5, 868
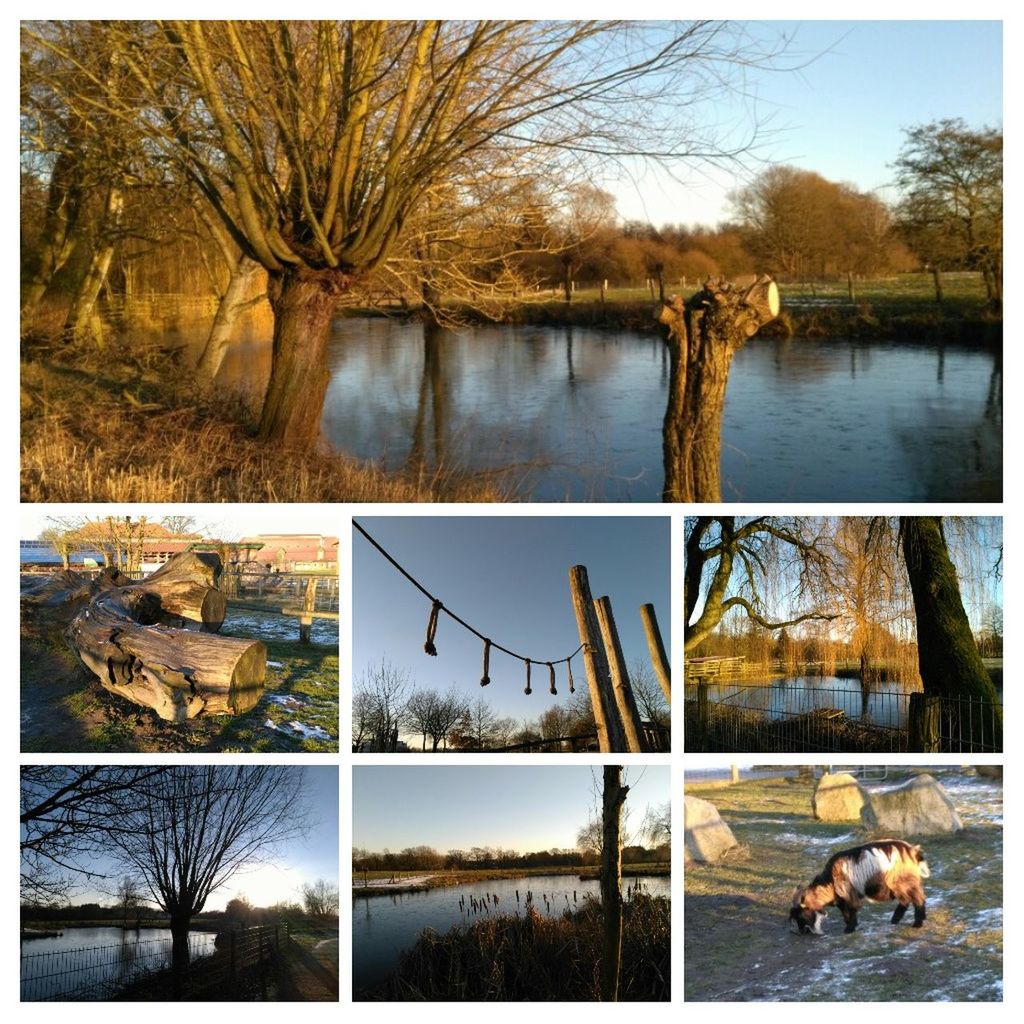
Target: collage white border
1013, 17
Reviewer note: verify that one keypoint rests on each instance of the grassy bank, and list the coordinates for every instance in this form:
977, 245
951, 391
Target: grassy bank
64, 708
109, 427
736, 942
536, 958
902, 307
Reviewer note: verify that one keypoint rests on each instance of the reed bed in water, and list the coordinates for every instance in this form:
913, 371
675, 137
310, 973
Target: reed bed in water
531, 957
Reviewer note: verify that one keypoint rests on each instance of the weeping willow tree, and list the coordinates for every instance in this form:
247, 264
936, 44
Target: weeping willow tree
871, 585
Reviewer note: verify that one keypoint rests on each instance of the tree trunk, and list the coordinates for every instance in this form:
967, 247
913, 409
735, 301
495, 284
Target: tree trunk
232, 303
303, 301
704, 335
177, 672
937, 280
948, 657
63, 204
83, 321
127, 637
611, 881
567, 278
181, 957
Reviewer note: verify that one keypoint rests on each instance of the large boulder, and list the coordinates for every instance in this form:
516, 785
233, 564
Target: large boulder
706, 836
919, 807
989, 771
838, 797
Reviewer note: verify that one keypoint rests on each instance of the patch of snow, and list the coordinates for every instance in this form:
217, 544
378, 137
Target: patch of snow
275, 664
309, 732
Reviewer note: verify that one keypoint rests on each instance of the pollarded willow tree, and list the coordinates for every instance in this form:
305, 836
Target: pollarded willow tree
191, 828
316, 143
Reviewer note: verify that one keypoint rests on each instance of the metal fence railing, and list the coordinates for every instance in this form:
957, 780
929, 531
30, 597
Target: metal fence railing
239, 966
733, 718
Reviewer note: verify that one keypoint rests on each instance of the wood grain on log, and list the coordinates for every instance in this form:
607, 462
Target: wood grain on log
130, 638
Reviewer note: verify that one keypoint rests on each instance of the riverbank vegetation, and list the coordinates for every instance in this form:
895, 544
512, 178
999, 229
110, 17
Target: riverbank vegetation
537, 958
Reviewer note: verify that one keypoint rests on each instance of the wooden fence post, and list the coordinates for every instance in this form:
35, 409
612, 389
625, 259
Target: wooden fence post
611, 880
703, 717
924, 735
308, 606
610, 735
656, 646
624, 699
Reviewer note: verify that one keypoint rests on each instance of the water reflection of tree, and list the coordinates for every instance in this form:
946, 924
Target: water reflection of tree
432, 402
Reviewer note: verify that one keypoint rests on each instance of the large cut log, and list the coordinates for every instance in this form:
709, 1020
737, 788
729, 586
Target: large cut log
131, 638
68, 590
179, 673
187, 590
704, 333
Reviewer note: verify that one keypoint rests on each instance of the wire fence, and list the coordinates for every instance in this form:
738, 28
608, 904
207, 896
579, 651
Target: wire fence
236, 965
811, 719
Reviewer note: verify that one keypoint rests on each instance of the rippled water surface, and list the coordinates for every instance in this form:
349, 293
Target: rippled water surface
576, 413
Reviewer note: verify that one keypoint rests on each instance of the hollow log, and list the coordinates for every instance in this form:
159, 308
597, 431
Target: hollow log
179, 673
704, 333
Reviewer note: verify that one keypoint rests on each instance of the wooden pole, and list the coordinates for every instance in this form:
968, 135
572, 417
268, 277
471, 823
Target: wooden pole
308, 607
624, 699
611, 881
610, 735
656, 646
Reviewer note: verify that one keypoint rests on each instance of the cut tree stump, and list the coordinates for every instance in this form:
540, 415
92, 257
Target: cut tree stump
130, 638
704, 333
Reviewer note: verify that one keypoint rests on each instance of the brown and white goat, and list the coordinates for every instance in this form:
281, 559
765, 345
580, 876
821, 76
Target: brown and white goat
888, 869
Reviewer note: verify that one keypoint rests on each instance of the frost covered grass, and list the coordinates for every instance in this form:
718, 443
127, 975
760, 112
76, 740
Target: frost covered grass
737, 942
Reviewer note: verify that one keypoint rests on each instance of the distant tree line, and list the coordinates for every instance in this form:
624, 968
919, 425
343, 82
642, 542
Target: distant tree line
426, 858
388, 710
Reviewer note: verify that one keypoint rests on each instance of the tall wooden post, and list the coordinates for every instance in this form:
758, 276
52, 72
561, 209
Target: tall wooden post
624, 699
610, 735
611, 880
656, 646
308, 607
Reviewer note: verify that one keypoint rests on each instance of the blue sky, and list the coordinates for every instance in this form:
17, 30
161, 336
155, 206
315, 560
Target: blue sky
522, 808
508, 577
843, 113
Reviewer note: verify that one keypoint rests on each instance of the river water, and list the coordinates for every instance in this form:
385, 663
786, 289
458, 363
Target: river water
384, 926
94, 963
576, 413
886, 704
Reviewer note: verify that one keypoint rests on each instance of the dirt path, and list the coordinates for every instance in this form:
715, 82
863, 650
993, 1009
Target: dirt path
737, 941
312, 976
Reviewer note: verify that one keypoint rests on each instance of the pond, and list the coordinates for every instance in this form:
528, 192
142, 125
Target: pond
885, 705
95, 963
576, 413
384, 926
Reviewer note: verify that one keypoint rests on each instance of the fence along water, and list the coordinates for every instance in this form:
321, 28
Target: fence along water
812, 719
240, 966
